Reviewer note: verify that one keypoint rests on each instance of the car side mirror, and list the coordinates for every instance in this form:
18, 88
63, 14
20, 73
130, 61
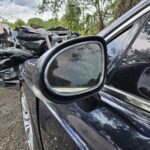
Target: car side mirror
73, 70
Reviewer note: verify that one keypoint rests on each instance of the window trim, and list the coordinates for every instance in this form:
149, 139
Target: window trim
128, 23
136, 100
128, 46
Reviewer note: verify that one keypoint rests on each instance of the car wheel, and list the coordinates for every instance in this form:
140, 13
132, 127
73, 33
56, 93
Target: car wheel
27, 122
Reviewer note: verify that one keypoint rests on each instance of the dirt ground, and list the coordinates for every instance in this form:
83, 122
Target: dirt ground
12, 136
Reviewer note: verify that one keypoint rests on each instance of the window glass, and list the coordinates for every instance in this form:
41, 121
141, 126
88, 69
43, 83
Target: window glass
133, 75
115, 46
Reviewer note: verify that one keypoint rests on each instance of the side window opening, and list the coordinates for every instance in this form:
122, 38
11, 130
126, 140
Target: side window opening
133, 74
115, 46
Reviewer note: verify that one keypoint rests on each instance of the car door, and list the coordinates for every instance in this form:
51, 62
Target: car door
129, 89
108, 120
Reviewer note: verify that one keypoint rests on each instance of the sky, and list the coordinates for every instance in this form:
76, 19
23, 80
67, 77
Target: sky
21, 9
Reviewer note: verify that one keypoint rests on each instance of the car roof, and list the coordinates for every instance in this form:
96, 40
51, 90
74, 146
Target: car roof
121, 20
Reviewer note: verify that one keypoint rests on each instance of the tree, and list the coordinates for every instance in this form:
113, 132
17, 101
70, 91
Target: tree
90, 25
36, 23
53, 5
101, 9
54, 22
19, 23
102, 12
87, 16
121, 6
72, 15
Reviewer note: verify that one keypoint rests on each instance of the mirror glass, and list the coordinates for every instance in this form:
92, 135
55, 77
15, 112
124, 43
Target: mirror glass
76, 69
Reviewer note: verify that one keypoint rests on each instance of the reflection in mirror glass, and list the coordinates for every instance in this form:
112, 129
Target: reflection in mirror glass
76, 69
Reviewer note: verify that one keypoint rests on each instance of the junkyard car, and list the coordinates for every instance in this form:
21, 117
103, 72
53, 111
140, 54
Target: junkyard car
91, 92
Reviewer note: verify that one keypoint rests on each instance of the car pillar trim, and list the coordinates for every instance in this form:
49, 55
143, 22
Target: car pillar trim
127, 23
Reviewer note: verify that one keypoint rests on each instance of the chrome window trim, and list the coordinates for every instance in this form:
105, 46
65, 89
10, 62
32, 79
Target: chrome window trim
134, 100
130, 21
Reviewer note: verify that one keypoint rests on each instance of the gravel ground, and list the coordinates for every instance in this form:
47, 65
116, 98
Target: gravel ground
12, 136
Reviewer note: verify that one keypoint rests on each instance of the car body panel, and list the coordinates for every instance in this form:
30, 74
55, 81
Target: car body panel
33, 104
104, 122
109, 120
109, 124
112, 124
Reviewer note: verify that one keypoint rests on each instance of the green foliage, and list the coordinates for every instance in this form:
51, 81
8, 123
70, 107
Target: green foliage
90, 25
72, 15
54, 22
76, 13
36, 23
18, 23
84, 16
100, 12
11, 25
53, 5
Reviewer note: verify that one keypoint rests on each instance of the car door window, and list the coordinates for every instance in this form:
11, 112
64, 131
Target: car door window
115, 46
133, 74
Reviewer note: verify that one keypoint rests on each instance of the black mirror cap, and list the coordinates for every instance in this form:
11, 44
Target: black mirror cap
44, 60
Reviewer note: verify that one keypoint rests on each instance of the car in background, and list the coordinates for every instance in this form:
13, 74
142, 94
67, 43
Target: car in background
91, 92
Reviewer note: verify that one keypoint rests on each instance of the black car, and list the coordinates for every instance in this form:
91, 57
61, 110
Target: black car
91, 92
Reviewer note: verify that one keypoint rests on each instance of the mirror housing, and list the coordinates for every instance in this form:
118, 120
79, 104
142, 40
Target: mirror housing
72, 70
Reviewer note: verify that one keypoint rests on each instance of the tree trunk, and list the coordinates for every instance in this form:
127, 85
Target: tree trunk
101, 23
123, 6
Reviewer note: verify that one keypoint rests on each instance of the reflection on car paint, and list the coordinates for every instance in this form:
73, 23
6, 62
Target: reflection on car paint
143, 84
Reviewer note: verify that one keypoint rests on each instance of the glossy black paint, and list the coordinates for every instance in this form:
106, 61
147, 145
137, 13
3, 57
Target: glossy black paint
111, 124
33, 106
108, 120
53, 134
101, 121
